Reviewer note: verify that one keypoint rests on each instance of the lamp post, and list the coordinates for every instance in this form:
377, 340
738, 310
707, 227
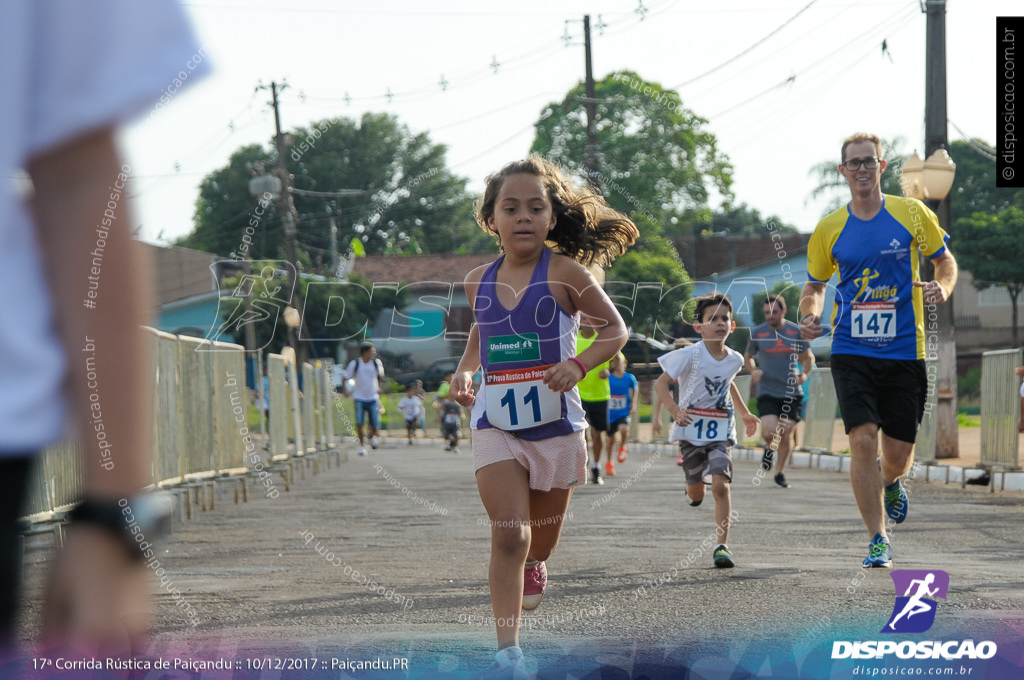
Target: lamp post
936, 141
931, 180
258, 186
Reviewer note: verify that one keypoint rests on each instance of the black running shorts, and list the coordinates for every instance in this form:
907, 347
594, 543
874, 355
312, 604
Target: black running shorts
888, 392
778, 406
597, 414
614, 427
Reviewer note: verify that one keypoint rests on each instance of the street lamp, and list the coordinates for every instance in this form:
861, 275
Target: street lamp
931, 179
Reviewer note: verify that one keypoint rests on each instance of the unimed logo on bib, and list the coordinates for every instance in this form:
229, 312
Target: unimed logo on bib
914, 611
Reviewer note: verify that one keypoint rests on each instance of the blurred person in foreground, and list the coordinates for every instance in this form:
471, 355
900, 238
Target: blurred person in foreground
71, 349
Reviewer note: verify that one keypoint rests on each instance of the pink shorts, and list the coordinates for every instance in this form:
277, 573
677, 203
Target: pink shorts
553, 463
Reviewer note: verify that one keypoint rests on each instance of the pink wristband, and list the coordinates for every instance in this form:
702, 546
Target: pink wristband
580, 364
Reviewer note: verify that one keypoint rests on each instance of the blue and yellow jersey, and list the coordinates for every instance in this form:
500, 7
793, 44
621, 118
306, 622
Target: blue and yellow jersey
877, 311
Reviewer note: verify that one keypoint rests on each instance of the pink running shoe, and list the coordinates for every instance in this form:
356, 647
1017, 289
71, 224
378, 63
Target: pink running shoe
535, 581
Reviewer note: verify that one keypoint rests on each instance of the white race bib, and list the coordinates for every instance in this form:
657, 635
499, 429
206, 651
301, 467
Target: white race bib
708, 425
617, 403
518, 398
451, 419
873, 320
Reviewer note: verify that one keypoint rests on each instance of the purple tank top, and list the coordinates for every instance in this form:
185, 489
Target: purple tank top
516, 347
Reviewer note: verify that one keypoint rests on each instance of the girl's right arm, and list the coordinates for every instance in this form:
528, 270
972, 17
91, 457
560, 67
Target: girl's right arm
461, 386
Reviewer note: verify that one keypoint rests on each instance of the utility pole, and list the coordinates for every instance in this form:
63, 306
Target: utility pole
286, 208
593, 166
935, 137
334, 246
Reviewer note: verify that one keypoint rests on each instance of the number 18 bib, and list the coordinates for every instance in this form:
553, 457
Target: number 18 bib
708, 425
518, 399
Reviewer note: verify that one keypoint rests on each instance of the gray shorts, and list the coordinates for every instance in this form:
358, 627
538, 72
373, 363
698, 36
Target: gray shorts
700, 461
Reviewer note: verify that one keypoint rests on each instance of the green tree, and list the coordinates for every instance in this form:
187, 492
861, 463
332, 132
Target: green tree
833, 186
650, 288
409, 200
742, 220
991, 247
332, 311
656, 157
974, 187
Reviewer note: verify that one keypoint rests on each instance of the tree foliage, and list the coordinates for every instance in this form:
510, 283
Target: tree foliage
991, 247
656, 157
974, 187
650, 287
742, 220
409, 201
332, 311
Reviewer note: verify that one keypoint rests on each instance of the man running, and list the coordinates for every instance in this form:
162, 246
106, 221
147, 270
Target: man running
368, 373
878, 345
784, 361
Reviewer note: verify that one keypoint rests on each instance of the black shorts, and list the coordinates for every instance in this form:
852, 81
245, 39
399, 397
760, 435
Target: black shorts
614, 427
778, 406
888, 392
15, 474
596, 413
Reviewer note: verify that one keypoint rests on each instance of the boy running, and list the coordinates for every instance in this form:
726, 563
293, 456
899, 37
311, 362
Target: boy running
451, 420
705, 427
622, 405
411, 407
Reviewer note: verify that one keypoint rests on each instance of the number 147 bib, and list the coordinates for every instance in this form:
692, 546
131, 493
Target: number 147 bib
518, 398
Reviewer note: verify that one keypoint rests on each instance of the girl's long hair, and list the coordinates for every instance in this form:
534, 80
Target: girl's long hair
587, 229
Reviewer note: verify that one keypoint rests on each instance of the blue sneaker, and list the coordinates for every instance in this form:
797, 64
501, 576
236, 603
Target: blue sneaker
896, 502
879, 553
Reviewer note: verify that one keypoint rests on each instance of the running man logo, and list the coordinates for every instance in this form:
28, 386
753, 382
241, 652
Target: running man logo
914, 611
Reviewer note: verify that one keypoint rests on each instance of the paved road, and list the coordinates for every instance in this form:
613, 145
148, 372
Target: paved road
629, 586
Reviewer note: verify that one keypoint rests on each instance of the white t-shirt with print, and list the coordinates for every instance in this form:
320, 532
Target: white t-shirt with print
704, 384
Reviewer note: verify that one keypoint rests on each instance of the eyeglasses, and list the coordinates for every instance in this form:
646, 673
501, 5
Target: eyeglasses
856, 163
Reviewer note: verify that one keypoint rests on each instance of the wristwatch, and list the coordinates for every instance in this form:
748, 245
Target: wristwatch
140, 522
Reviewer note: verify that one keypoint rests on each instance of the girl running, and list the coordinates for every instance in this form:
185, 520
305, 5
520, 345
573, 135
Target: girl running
529, 450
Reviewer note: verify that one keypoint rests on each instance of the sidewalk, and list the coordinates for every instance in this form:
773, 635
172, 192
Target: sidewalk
970, 443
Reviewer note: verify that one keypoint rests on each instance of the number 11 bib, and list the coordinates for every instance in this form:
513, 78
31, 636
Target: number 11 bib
518, 398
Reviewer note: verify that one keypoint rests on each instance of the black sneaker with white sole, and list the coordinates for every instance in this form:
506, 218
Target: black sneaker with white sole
780, 481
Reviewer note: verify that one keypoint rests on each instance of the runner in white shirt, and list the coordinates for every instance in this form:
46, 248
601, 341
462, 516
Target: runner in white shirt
368, 373
411, 407
704, 424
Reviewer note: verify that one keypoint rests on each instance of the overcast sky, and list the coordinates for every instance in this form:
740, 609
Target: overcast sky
781, 82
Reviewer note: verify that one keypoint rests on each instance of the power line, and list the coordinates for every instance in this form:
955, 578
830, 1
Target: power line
746, 51
988, 154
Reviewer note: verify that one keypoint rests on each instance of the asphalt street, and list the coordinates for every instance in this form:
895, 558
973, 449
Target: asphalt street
386, 555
